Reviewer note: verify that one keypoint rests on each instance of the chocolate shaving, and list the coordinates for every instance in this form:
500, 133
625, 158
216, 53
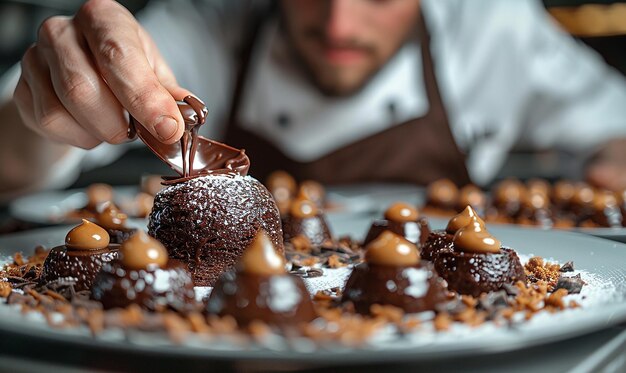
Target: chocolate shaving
573, 284
567, 267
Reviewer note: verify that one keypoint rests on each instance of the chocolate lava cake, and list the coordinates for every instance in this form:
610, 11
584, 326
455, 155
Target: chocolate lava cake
208, 221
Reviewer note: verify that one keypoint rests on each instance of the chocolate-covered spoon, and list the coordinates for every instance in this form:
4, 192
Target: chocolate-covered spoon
202, 157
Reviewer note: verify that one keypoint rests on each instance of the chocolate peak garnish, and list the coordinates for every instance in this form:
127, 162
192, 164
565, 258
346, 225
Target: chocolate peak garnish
87, 236
443, 192
472, 195
510, 191
281, 180
97, 194
261, 258
536, 200
313, 191
110, 217
401, 212
390, 249
303, 208
474, 238
141, 251
462, 219
193, 155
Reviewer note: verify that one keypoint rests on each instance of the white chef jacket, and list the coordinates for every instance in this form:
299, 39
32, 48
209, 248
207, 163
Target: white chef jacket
507, 74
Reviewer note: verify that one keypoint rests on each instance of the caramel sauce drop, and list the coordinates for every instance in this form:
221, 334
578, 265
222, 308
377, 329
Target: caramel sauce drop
87, 236
465, 217
141, 251
401, 212
390, 249
475, 238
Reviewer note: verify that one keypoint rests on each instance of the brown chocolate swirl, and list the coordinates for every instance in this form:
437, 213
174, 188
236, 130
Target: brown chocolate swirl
87, 236
194, 155
390, 249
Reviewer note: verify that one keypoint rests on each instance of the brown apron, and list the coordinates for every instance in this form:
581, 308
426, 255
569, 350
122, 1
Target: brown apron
418, 151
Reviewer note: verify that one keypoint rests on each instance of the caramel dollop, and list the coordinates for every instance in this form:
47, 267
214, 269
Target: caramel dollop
261, 258
401, 212
281, 180
313, 191
462, 219
143, 204
141, 251
442, 192
536, 200
510, 191
471, 195
87, 236
303, 208
605, 199
110, 217
563, 191
97, 194
390, 249
583, 195
474, 238
539, 186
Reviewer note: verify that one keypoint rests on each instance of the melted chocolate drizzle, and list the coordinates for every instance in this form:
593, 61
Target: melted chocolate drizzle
214, 158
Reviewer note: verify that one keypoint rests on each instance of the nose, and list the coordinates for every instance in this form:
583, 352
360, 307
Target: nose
342, 19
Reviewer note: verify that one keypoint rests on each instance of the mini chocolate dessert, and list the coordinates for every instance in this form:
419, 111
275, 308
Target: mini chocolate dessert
114, 221
582, 202
313, 191
606, 210
401, 219
305, 219
78, 262
283, 188
441, 240
144, 275
535, 209
471, 195
477, 262
441, 198
393, 275
508, 197
97, 195
261, 289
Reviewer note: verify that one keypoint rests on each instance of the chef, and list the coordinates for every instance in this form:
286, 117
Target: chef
337, 90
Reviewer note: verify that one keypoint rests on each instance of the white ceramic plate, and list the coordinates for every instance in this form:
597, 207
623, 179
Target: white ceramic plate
601, 261
52, 207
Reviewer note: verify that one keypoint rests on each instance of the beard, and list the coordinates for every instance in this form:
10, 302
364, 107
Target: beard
333, 80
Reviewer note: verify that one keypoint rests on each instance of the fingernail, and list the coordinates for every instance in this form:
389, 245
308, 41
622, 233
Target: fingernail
165, 127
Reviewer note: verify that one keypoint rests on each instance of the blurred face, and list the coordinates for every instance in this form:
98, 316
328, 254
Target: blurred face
343, 43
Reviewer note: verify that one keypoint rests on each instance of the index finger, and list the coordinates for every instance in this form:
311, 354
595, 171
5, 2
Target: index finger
113, 37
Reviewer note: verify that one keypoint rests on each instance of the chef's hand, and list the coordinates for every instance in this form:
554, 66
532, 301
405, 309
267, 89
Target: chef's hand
83, 72
608, 168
